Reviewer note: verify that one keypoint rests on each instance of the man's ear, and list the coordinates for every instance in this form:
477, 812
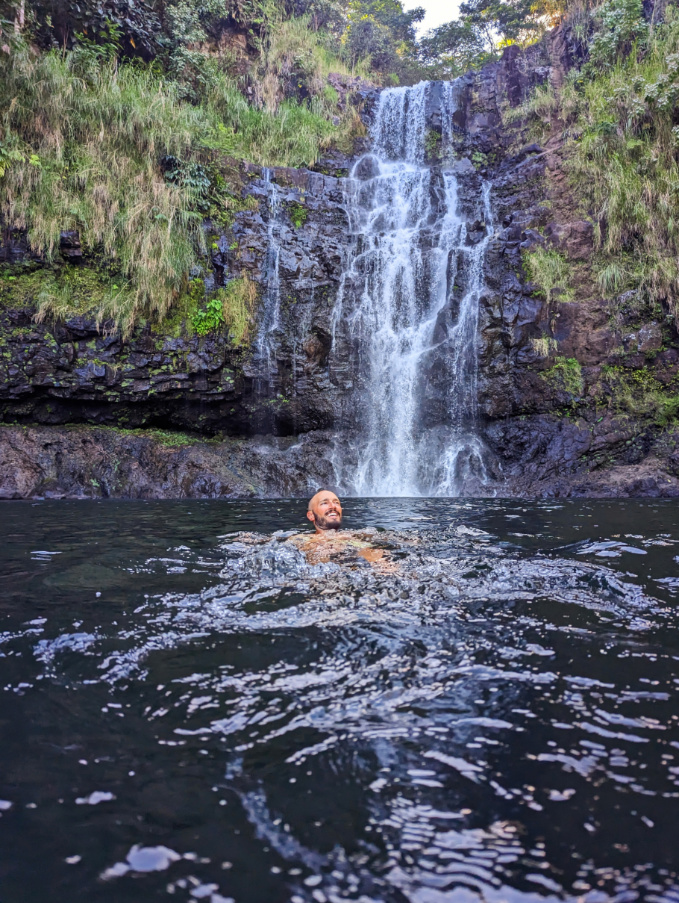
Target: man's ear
310, 516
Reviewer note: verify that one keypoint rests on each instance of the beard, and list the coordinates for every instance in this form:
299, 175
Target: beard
324, 523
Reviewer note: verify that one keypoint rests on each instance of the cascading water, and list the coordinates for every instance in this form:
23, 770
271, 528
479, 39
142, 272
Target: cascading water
413, 262
270, 316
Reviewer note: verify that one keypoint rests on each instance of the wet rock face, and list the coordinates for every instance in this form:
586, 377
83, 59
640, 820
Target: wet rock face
65, 372
96, 462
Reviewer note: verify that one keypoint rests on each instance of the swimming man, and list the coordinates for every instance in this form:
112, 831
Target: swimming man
329, 542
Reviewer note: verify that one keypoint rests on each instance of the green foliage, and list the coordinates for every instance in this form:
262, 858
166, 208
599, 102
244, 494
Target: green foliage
452, 49
298, 214
169, 438
295, 64
639, 394
136, 23
10, 155
432, 144
70, 290
294, 135
98, 132
231, 308
382, 32
537, 109
625, 165
624, 158
377, 34
331, 95
566, 375
550, 271
483, 29
149, 28
210, 319
113, 151
621, 27
190, 176
239, 300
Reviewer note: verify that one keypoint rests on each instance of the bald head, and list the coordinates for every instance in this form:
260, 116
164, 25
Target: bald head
325, 511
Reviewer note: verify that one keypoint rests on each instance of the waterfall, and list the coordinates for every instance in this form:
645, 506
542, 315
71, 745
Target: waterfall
413, 263
271, 307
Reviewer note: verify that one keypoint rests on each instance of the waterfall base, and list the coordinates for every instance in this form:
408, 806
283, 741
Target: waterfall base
95, 462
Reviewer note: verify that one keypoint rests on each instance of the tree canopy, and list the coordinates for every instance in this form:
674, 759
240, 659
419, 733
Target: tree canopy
379, 34
483, 29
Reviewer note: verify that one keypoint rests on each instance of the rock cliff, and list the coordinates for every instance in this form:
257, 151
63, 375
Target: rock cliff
170, 413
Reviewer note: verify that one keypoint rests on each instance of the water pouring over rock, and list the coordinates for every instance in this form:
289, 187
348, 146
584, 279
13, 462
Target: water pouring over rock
409, 302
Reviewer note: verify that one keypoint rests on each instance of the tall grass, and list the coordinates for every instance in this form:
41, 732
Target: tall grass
82, 143
294, 45
623, 156
86, 145
239, 300
626, 166
293, 134
550, 271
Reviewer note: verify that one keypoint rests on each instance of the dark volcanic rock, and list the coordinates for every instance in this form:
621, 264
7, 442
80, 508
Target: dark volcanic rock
94, 462
72, 371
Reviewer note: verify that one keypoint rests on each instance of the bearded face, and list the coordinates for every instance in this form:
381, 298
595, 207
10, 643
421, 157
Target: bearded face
325, 511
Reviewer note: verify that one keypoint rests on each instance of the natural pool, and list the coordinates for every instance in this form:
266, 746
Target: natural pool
186, 714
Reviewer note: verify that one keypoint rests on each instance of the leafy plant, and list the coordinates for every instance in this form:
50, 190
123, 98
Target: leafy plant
210, 319
190, 176
232, 307
432, 144
298, 214
621, 26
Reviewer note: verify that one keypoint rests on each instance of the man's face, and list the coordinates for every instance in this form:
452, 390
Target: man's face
325, 511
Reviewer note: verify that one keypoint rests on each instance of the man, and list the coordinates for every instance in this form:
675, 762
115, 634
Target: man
328, 544
325, 511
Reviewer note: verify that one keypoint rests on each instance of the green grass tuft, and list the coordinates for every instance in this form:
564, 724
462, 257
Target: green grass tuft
239, 301
550, 271
566, 375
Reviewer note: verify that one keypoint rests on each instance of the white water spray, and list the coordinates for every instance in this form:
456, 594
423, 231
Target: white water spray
412, 251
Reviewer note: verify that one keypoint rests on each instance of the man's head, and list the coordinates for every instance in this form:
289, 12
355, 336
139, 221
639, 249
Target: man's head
325, 511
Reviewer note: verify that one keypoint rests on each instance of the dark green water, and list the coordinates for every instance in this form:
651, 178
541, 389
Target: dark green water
186, 715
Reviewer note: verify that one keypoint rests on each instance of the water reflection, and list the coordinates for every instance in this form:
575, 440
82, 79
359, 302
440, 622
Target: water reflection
212, 717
